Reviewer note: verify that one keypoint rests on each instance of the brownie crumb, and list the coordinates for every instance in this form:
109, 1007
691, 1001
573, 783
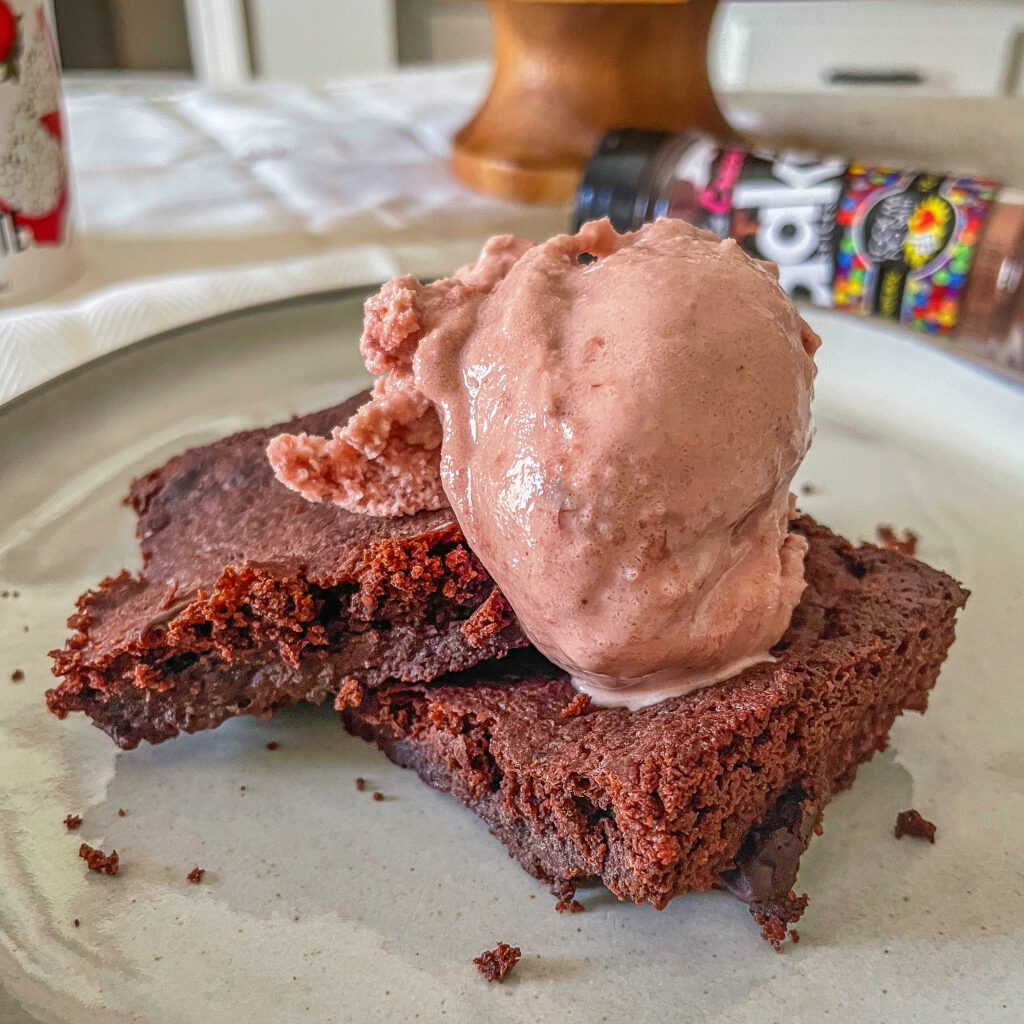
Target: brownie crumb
72, 821
774, 917
496, 964
195, 876
910, 823
794, 935
17, 675
488, 620
121, 812
570, 906
579, 705
888, 538
378, 796
77, 922
273, 745
99, 861
350, 694
360, 784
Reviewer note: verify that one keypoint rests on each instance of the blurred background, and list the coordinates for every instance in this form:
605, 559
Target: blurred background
791, 72
224, 153
960, 48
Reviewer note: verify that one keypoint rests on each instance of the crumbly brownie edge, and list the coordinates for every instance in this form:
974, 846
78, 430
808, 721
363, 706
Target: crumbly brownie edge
563, 851
685, 835
262, 641
204, 692
238, 569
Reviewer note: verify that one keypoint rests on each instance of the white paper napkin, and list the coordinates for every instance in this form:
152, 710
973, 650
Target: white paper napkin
196, 201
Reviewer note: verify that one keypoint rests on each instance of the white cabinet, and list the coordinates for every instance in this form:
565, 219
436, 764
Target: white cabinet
967, 49
928, 47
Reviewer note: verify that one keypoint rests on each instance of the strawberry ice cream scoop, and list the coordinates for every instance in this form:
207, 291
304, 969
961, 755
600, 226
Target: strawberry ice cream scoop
615, 421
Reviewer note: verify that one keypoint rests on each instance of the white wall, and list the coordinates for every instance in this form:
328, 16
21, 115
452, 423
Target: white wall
430, 31
316, 39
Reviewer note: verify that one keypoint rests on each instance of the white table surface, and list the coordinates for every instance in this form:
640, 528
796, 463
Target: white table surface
195, 200
192, 201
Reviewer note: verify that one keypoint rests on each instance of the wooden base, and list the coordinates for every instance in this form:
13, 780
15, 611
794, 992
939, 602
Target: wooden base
565, 73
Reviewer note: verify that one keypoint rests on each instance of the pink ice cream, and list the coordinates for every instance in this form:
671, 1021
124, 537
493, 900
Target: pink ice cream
616, 437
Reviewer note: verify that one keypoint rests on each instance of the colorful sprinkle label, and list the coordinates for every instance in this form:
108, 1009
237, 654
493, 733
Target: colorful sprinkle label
870, 240
905, 244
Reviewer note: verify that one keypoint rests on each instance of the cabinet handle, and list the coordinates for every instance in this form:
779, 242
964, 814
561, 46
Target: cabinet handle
870, 76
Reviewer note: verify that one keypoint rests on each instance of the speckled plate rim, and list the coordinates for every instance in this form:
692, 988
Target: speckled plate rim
965, 411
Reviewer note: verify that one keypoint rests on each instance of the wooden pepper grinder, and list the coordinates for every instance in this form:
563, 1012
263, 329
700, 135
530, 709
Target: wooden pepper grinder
566, 72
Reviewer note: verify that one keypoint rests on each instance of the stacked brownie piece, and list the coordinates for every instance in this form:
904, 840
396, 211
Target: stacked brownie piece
251, 599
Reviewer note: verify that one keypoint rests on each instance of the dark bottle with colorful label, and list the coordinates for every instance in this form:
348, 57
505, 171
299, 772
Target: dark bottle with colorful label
939, 253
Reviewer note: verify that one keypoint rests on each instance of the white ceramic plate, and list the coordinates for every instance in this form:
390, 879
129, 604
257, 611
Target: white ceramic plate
321, 905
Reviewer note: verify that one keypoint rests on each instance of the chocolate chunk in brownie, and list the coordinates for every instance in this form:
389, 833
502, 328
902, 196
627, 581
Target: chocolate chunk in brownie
720, 788
496, 964
910, 823
244, 606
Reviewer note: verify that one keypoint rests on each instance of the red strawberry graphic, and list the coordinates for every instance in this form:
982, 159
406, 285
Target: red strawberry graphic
37, 202
9, 42
8, 30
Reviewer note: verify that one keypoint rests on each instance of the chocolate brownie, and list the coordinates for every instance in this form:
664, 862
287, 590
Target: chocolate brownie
720, 788
251, 599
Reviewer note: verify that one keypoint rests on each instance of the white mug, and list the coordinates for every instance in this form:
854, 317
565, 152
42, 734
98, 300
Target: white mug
37, 253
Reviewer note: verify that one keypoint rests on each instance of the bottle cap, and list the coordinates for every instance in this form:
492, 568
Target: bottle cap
616, 183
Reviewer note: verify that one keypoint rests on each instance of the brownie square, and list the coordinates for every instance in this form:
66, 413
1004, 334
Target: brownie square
251, 599
719, 788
